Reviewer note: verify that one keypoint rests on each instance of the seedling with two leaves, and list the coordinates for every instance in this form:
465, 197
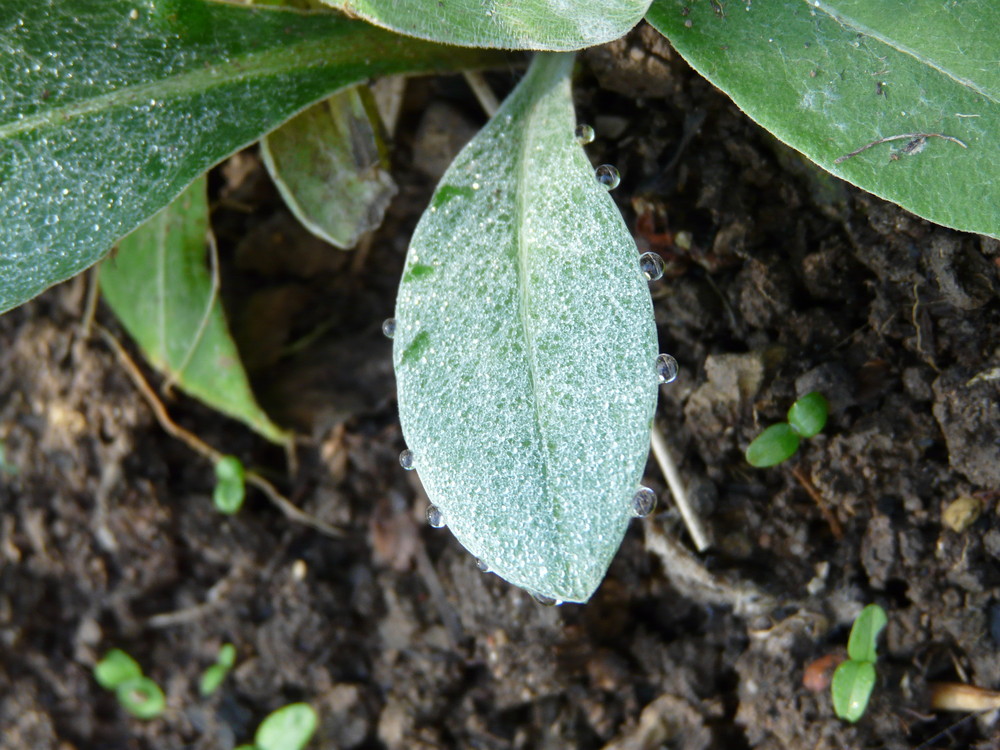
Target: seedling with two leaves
854, 679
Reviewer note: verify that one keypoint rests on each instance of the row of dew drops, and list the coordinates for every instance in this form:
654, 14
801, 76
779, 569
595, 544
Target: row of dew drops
651, 265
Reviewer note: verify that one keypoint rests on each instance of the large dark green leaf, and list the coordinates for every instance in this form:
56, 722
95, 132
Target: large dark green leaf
110, 108
917, 82
525, 349
159, 285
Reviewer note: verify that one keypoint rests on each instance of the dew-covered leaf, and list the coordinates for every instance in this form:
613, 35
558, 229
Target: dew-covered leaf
556, 25
159, 285
108, 110
331, 165
912, 90
525, 349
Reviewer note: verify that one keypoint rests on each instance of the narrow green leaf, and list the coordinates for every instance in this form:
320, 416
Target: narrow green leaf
830, 77
525, 349
775, 444
211, 679
807, 416
161, 289
851, 687
227, 655
330, 164
861, 645
555, 25
108, 110
289, 728
115, 668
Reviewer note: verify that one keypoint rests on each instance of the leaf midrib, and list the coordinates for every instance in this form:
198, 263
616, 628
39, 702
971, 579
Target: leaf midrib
524, 295
851, 23
234, 70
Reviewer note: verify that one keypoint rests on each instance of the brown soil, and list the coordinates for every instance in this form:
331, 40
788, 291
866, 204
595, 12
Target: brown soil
793, 281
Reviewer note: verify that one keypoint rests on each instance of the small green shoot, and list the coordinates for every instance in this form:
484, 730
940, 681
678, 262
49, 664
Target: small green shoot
138, 695
115, 668
854, 679
141, 697
6, 468
779, 442
230, 489
289, 728
212, 677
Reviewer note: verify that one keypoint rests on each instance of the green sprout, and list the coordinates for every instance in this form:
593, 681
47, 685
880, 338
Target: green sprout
289, 728
854, 679
137, 694
806, 418
6, 468
212, 677
230, 488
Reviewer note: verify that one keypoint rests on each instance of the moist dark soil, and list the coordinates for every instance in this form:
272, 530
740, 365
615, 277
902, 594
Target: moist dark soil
781, 280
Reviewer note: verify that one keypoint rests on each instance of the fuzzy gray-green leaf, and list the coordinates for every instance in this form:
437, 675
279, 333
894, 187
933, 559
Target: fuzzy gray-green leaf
525, 349
555, 25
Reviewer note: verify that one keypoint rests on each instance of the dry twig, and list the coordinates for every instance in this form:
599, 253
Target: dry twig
195, 443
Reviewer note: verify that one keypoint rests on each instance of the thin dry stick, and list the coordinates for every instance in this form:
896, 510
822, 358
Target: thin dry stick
213, 295
669, 468
199, 446
809, 487
487, 99
901, 137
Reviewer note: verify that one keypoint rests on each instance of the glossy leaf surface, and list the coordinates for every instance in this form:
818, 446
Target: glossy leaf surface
289, 728
109, 109
159, 285
775, 444
556, 25
861, 646
525, 349
330, 164
918, 84
851, 687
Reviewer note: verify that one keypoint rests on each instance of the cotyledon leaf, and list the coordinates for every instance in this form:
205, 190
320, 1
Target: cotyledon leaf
555, 25
110, 108
159, 285
901, 99
525, 349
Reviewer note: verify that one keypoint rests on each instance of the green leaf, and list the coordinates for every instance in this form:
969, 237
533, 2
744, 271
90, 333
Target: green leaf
775, 444
556, 25
289, 728
227, 655
864, 633
230, 487
807, 416
330, 164
141, 697
851, 687
160, 288
211, 679
829, 77
112, 108
525, 349
115, 668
